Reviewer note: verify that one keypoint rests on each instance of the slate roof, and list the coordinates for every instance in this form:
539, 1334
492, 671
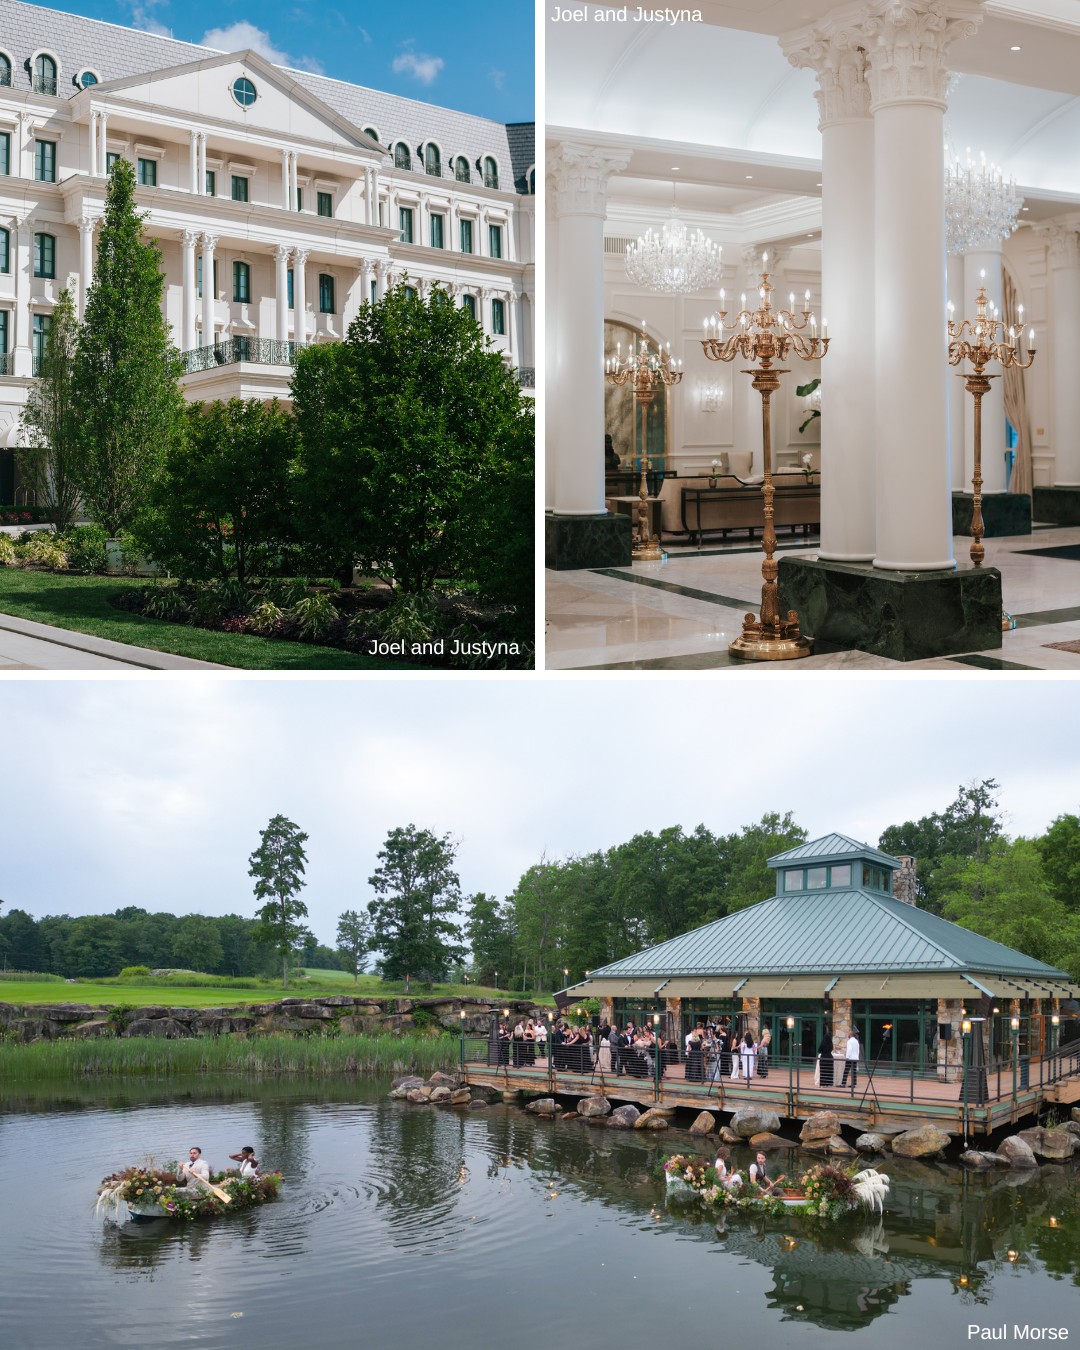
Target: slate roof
115, 52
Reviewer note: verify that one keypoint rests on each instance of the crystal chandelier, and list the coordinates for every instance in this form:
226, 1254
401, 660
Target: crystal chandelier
981, 208
674, 260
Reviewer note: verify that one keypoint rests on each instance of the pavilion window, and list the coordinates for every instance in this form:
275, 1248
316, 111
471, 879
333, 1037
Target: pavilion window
793, 879
817, 878
840, 874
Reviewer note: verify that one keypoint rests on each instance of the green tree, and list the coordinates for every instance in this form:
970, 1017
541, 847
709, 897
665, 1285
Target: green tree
127, 402
23, 944
1059, 849
50, 463
354, 940
750, 879
418, 893
223, 504
197, 945
489, 932
278, 868
965, 830
93, 947
407, 429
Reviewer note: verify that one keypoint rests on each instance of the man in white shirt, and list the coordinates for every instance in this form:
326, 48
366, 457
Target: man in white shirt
851, 1060
196, 1169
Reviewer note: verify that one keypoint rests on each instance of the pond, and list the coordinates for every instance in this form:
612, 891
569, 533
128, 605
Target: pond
408, 1226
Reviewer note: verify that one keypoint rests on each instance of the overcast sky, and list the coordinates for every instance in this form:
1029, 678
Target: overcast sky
154, 793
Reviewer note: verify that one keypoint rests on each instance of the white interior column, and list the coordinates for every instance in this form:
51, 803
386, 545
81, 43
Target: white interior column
575, 433
907, 51
85, 261
956, 296
1063, 342
189, 239
281, 299
209, 241
993, 403
300, 295
847, 290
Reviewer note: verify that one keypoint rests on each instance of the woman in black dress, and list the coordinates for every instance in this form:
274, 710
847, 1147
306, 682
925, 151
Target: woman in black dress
695, 1056
825, 1060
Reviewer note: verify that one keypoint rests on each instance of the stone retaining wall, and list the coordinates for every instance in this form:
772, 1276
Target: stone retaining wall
335, 1013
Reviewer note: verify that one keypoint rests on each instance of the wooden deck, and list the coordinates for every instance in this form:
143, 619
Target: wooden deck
896, 1101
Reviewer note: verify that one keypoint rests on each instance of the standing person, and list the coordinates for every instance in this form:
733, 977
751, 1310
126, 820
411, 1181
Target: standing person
851, 1059
541, 1038
604, 1056
519, 1044
695, 1055
196, 1168
825, 1060
748, 1056
530, 1043
763, 1053
725, 1049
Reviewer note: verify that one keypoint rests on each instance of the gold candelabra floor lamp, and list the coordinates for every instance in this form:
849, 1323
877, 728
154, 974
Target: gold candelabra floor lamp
763, 336
980, 341
647, 371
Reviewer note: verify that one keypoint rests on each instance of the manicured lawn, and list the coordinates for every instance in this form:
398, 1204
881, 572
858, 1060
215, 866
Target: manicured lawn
82, 605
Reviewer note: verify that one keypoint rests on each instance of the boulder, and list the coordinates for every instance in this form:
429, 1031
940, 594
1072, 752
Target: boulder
419, 1096
460, 1097
651, 1120
728, 1135
822, 1125
872, 1143
1054, 1145
543, 1106
593, 1106
407, 1080
440, 1079
623, 1117
487, 1095
207, 1024
100, 1026
78, 1012
1017, 1152
1074, 1114
477, 1104
980, 1161
765, 1141
439, 1094
1073, 1127
840, 1148
924, 1142
751, 1120
360, 1024
816, 1146
313, 1012
157, 1026
705, 1123
335, 1001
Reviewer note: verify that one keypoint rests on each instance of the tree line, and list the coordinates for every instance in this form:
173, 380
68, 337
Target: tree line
567, 916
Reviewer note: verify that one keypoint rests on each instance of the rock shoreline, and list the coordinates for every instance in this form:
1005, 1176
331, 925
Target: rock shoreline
330, 1014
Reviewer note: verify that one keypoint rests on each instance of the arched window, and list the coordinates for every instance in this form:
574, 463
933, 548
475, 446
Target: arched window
241, 279
5, 68
44, 75
402, 158
491, 172
468, 303
461, 170
432, 160
373, 132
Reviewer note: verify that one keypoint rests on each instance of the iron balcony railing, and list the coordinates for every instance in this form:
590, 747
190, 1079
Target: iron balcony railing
7, 363
526, 377
261, 351
45, 84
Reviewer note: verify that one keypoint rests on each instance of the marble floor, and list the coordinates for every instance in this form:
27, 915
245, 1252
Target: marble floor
681, 614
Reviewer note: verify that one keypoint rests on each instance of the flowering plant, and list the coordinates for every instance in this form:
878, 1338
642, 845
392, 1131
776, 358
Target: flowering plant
148, 1188
829, 1191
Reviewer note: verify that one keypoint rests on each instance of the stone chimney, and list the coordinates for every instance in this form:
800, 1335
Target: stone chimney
903, 884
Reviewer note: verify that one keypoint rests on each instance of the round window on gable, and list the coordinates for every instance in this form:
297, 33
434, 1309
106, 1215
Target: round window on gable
244, 92
85, 79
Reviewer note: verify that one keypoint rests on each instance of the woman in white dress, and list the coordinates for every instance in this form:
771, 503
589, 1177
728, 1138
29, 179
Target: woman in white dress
747, 1057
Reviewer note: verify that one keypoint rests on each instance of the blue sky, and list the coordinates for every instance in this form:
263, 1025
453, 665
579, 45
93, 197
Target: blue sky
475, 58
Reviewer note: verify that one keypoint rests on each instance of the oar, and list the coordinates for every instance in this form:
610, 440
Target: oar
223, 1196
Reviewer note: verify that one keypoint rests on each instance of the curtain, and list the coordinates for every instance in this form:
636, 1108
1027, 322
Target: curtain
1015, 397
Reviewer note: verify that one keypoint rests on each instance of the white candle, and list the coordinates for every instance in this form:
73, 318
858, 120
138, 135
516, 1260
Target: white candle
791, 300
824, 328
765, 262
742, 300
1031, 338
723, 309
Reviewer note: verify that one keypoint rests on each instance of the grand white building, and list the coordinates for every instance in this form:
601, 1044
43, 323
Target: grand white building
300, 196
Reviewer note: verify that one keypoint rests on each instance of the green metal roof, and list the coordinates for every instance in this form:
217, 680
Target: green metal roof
833, 848
835, 932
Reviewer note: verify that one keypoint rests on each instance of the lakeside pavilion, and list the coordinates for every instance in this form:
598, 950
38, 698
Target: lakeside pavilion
841, 943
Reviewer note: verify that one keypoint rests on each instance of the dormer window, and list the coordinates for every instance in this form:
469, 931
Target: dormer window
432, 160
461, 170
491, 172
402, 158
373, 132
5, 69
86, 78
43, 74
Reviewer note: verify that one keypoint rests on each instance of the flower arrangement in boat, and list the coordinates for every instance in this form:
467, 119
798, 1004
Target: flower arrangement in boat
829, 1191
150, 1191
823, 1192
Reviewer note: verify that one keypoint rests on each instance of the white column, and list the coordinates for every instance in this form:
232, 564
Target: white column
293, 181
86, 260
189, 239
21, 231
847, 290
201, 186
209, 242
510, 301
575, 433
955, 295
481, 241
993, 404
483, 302
281, 260
300, 295
93, 146
382, 274
285, 180
907, 48
194, 162
103, 133
1063, 342
371, 194
453, 242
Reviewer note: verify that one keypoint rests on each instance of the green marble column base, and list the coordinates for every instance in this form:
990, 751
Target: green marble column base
1002, 512
587, 541
1057, 505
905, 616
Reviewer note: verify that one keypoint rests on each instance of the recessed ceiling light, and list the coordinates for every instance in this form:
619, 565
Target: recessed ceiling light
1025, 208
749, 176
1015, 49
675, 168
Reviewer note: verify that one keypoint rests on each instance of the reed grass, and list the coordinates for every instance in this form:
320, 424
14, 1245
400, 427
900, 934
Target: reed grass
156, 1057
29, 977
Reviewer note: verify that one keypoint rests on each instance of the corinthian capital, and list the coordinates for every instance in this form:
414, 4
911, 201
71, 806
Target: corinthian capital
907, 43
580, 174
836, 52
1062, 241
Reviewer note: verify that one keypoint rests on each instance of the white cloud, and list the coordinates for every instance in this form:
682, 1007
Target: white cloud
497, 78
244, 36
419, 65
142, 18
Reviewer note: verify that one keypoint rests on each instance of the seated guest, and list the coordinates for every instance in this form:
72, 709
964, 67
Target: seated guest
249, 1164
759, 1175
196, 1170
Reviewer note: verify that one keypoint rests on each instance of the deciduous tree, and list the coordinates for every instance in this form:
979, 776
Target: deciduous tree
278, 868
354, 940
50, 463
414, 917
